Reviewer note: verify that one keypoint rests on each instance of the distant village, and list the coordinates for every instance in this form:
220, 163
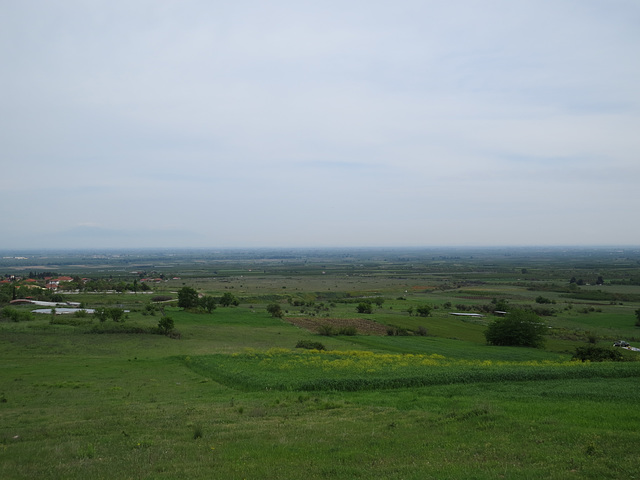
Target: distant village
42, 286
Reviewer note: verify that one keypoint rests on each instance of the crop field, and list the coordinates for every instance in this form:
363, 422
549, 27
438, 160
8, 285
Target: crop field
326, 389
280, 369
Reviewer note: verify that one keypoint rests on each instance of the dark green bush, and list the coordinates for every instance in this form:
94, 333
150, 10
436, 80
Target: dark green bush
310, 345
348, 331
161, 298
397, 331
593, 353
364, 307
326, 330
16, 315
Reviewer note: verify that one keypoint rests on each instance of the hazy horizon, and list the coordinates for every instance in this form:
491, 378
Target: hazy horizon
207, 124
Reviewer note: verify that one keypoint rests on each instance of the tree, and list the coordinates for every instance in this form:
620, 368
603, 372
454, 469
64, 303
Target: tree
275, 310
228, 299
208, 303
519, 328
187, 297
638, 317
165, 325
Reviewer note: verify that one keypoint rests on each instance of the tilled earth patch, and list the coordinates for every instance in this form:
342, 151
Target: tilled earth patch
362, 325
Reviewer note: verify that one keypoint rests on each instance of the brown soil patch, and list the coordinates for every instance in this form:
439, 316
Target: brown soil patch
362, 325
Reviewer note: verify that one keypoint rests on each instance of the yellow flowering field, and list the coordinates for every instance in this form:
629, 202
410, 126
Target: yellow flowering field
285, 369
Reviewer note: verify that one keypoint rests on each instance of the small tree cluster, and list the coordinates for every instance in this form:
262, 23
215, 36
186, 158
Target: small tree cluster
228, 299
113, 313
189, 299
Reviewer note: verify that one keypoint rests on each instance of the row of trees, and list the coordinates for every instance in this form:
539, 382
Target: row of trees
188, 298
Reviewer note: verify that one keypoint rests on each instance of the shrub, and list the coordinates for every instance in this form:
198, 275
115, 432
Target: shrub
597, 354
16, 315
422, 331
364, 307
310, 345
424, 310
161, 298
275, 310
397, 331
326, 330
348, 331
115, 314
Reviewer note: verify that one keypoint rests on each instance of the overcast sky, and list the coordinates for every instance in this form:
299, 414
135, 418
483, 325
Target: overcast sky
204, 123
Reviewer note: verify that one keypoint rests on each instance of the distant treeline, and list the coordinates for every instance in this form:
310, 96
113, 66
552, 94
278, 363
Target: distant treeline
627, 281
599, 295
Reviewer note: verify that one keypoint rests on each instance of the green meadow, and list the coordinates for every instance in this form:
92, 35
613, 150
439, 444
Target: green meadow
229, 395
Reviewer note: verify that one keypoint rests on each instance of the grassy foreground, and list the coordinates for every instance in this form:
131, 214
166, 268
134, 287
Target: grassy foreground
77, 405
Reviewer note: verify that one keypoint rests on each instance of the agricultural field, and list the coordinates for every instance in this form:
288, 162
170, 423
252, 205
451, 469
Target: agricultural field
363, 372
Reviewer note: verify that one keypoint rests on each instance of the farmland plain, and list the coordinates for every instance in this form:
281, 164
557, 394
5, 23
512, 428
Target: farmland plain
232, 397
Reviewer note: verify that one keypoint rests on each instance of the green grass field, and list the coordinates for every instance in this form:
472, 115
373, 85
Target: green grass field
233, 398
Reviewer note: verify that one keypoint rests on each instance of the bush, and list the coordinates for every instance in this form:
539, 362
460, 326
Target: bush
424, 310
115, 314
326, 330
351, 331
541, 299
393, 331
161, 298
519, 328
16, 315
310, 345
364, 307
275, 310
592, 353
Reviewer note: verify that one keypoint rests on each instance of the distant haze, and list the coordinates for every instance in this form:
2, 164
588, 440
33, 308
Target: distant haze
152, 123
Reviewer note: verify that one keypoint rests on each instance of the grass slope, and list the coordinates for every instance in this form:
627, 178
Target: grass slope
75, 405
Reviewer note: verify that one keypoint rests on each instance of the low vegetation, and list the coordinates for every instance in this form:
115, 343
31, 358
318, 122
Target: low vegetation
261, 365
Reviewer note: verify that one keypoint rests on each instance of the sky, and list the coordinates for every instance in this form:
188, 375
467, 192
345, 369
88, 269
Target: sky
297, 123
